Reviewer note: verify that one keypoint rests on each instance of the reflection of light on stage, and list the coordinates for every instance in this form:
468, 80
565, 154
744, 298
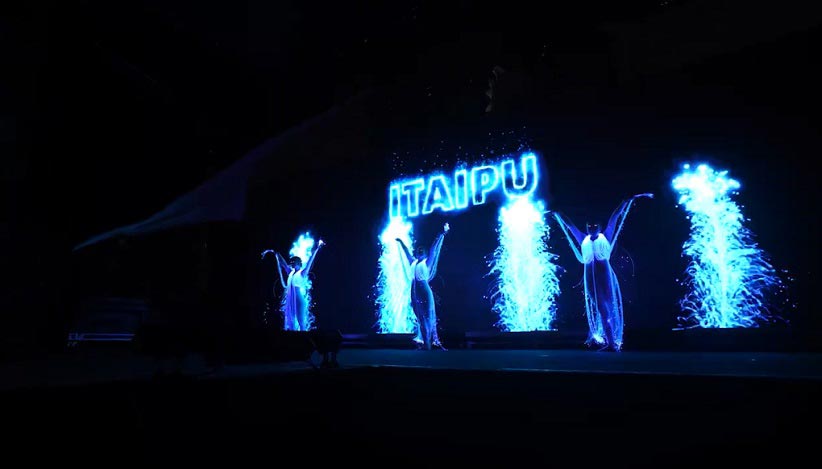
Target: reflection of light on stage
527, 282
729, 276
393, 288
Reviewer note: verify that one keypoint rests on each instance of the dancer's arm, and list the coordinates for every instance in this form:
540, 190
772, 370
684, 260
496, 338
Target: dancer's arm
434, 253
618, 218
572, 234
282, 266
409, 259
310, 262
405, 250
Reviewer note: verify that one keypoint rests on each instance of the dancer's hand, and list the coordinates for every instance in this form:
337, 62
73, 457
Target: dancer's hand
446, 227
321, 243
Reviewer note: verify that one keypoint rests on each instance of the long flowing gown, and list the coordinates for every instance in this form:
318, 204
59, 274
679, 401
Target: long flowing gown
603, 297
295, 302
421, 272
296, 299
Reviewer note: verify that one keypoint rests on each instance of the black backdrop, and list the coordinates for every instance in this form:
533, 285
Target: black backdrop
110, 131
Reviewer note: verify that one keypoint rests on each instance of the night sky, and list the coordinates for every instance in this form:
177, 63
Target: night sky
113, 109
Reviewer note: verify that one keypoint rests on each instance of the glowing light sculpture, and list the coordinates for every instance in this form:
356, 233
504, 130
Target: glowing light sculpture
527, 280
603, 297
393, 287
728, 275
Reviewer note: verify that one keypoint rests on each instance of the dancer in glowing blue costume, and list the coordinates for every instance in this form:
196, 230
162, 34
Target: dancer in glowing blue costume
421, 270
296, 284
603, 299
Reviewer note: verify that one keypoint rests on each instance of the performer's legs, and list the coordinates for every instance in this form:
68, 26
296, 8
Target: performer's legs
429, 333
435, 338
607, 311
289, 322
416, 307
604, 306
426, 336
418, 334
617, 320
302, 314
596, 327
609, 331
614, 339
303, 319
421, 311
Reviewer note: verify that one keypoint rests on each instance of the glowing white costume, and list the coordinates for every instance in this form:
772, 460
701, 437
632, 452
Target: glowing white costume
421, 271
296, 299
603, 298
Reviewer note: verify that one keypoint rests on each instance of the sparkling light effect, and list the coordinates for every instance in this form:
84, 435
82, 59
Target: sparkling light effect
527, 279
729, 276
439, 192
302, 247
393, 288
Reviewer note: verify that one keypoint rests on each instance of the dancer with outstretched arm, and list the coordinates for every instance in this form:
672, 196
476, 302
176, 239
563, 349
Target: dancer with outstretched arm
421, 269
603, 298
296, 284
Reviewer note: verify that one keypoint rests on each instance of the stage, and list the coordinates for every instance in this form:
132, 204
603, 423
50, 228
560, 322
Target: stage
728, 364
87, 368
466, 406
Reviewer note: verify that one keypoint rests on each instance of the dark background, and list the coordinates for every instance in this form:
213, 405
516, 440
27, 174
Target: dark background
111, 110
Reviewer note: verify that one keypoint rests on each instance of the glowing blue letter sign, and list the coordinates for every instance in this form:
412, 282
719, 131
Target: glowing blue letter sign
422, 196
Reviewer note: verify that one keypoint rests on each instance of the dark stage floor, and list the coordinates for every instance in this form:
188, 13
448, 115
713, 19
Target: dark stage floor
463, 407
775, 365
100, 367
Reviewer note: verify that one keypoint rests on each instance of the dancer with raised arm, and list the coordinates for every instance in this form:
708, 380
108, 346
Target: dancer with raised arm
603, 298
421, 269
296, 285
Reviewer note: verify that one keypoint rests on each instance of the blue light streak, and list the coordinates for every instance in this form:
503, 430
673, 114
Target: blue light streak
461, 189
527, 282
526, 183
484, 179
302, 247
412, 190
729, 277
438, 196
393, 287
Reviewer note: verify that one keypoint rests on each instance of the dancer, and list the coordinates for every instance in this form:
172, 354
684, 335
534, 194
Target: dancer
421, 270
603, 299
296, 285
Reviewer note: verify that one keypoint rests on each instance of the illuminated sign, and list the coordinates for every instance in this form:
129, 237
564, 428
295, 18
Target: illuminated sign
424, 195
